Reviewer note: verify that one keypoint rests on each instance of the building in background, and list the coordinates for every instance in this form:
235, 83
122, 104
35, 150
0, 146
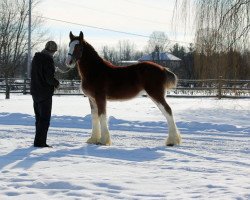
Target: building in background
163, 58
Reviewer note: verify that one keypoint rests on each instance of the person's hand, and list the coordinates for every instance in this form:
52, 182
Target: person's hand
57, 85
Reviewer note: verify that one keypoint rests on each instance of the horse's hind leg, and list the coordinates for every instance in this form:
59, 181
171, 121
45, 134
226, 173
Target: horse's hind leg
105, 136
174, 137
96, 132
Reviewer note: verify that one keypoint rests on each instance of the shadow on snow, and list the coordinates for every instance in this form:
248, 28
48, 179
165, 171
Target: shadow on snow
122, 125
29, 156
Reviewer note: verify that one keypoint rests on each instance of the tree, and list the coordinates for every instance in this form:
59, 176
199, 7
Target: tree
124, 51
157, 40
229, 19
222, 29
187, 57
13, 35
110, 54
178, 51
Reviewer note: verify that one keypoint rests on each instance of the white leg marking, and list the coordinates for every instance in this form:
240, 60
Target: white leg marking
105, 136
174, 136
96, 125
96, 132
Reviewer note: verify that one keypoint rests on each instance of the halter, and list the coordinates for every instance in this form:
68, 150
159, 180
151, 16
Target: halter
74, 58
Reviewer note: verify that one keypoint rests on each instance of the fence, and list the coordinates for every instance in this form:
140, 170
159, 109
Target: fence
220, 88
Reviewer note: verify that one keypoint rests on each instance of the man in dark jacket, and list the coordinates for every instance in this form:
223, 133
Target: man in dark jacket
42, 88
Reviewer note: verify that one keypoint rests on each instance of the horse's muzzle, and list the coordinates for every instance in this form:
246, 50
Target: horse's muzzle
70, 62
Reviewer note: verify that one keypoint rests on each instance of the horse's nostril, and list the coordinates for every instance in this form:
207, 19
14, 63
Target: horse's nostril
68, 61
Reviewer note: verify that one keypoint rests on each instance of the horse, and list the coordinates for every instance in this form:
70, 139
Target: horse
102, 81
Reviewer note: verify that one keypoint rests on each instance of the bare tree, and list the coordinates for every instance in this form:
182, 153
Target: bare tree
110, 54
222, 34
157, 40
229, 19
124, 51
13, 35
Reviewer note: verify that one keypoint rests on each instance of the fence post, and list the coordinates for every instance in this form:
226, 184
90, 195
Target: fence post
24, 87
7, 91
219, 87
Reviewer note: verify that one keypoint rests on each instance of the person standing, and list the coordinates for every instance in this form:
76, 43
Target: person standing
43, 84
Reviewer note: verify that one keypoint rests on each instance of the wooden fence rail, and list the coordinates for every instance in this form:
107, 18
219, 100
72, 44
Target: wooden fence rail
220, 88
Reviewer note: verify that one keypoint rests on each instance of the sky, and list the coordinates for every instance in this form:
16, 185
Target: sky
134, 20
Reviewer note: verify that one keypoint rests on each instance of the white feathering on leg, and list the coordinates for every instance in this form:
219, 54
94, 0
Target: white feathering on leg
174, 135
105, 136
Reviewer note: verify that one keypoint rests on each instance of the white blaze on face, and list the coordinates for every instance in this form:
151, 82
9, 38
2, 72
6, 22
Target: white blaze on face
70, 53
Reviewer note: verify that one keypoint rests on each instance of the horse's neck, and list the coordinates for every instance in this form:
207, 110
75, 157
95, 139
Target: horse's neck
97, 58
91, 58
90, 62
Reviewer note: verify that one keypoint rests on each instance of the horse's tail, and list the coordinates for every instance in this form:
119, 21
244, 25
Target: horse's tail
171, 79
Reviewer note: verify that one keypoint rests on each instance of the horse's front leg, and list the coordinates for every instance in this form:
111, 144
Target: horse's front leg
96, 132
105, 136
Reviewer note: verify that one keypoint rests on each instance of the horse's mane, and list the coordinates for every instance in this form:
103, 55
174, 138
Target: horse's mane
92, 53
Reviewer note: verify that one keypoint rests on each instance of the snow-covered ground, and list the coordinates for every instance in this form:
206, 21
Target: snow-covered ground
213, 162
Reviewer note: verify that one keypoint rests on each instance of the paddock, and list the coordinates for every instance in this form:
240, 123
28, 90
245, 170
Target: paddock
212, 162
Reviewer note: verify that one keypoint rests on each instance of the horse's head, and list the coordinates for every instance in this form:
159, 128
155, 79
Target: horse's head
75, 49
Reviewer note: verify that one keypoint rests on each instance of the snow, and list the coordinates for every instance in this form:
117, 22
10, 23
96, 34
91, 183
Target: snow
213, 161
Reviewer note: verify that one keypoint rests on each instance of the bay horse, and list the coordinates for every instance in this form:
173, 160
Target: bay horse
102, 81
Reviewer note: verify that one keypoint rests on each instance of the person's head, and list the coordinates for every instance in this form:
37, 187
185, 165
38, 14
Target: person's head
51, 47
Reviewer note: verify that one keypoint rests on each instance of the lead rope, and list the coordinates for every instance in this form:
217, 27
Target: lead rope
61, 71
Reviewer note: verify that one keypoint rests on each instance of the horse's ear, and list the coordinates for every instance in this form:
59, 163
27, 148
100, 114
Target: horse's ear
81, 36
71, 36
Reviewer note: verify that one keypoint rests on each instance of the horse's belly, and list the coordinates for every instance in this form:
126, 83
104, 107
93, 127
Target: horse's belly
124, 93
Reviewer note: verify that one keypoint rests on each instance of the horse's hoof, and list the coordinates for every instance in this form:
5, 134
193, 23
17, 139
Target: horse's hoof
172, 141
92, 141
108, 143
99, 143
104, 144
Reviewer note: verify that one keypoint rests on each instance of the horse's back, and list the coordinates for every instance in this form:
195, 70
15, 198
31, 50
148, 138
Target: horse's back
126, 82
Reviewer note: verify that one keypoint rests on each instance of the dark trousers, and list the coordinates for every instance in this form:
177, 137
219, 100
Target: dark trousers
42, 111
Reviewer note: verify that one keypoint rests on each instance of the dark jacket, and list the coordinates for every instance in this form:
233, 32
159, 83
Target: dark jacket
43, 81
